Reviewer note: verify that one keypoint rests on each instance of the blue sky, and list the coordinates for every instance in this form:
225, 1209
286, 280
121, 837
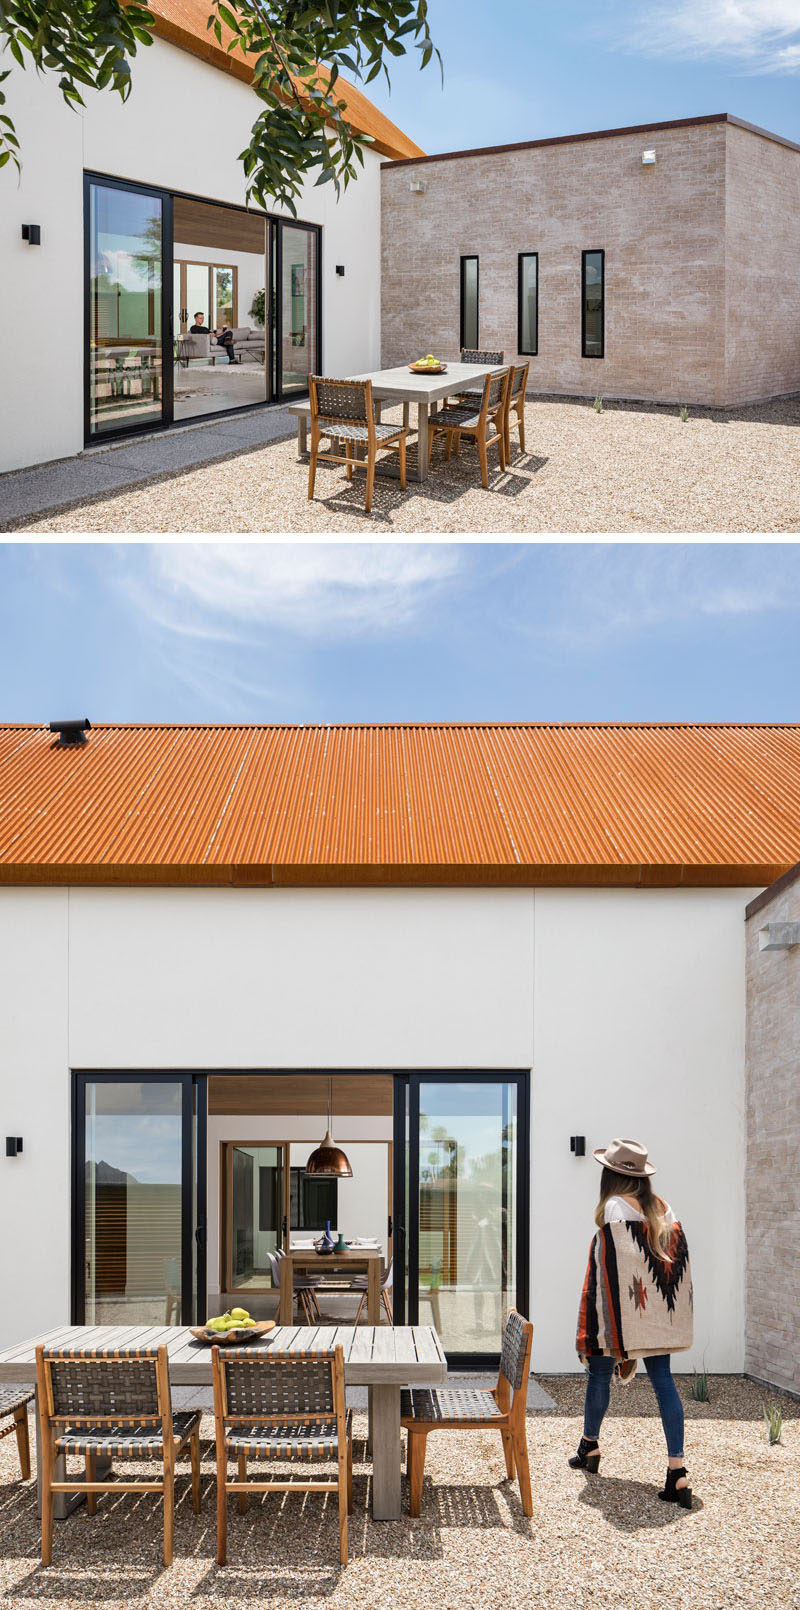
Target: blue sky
526, 69
371, 632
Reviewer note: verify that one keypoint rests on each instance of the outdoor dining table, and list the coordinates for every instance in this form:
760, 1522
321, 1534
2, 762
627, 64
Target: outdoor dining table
401, 386
383, 1358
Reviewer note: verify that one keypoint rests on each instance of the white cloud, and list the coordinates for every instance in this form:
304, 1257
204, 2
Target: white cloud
231, 589
762, 36
622, 592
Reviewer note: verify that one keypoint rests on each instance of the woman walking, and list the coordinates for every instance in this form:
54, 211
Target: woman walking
636, 1303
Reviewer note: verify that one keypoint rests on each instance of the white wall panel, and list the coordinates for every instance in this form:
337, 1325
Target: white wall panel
212, 978
182, 128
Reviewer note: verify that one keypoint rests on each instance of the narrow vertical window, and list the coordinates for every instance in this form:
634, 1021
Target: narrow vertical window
593, 304
469, 303
528, 304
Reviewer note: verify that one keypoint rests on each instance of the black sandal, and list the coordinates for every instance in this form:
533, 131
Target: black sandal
587, 1457
672, 1493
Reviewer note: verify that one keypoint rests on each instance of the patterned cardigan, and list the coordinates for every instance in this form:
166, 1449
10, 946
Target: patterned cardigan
634, 1304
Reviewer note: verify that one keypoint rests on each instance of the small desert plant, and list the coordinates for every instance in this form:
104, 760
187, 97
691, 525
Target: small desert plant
773, 1420
684, 415
598, 405
699, 1387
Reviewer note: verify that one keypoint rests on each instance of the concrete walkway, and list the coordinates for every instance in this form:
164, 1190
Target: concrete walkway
101, 471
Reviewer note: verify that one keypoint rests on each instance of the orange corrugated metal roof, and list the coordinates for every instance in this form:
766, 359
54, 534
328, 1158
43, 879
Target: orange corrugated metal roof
501, 803
184, 23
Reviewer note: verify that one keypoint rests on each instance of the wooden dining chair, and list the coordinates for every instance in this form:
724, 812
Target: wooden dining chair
485, 424
427, 1409
516, 405
360, 1283
14, 1408
475, 355
344, 411
271, 1405
111, 1405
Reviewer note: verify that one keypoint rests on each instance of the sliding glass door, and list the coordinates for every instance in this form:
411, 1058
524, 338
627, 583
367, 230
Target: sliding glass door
192, 308
128, 227
295, 306
138, 1198
461, 1202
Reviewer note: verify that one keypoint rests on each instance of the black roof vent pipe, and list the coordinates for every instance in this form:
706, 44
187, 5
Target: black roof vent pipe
70, 733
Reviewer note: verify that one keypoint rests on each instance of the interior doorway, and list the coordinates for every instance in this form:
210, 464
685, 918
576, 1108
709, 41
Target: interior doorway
267, 1200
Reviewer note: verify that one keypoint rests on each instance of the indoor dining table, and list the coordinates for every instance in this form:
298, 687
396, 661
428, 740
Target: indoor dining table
384, 1358
401, 386
352, 1260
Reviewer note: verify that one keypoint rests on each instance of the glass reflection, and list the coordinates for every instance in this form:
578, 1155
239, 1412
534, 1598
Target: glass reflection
125, 276
132, 1261
467, 1221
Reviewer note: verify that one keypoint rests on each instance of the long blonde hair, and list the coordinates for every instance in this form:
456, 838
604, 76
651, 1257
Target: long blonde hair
652, 1206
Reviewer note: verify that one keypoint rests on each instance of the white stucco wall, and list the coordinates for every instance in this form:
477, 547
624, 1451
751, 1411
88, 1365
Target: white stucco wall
182, 128
627, 1005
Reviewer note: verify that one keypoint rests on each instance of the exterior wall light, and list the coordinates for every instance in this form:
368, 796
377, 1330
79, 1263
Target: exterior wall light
779, 936
32, 233
13, 1145
577, 1145
340, 270
648, 159
418, 187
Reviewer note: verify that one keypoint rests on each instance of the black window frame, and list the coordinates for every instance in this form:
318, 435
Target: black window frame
470, 257
527, 352
272, 383
595, 251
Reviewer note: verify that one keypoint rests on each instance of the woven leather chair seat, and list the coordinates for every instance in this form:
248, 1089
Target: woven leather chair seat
126, 1442
11, 1398
356, 433
466, 418
290, 1441
447, 1403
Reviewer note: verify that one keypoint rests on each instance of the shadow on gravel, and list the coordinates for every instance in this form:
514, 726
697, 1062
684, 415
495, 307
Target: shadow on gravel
52, 1585
633, 1506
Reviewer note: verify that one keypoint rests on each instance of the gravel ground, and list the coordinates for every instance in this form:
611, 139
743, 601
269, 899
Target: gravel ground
593, 1542
630, 468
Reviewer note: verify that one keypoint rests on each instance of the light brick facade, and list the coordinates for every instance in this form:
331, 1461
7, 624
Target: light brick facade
772, 1329
702, 260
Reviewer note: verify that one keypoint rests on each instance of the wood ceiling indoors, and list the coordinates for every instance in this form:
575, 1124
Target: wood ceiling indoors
201, 223
355, 1095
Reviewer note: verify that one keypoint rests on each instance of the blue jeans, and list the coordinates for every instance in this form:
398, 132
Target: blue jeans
598, 1392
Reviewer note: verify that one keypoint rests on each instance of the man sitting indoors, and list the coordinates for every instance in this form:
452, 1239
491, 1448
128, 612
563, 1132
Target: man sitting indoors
199, 327
225, 339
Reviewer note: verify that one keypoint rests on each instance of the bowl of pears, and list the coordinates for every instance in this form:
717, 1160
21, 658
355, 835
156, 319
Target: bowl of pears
232, 1328
428, 366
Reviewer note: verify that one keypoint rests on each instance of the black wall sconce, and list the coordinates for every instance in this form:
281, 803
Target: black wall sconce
577, 1144
13, 1145
340, 270
32, 233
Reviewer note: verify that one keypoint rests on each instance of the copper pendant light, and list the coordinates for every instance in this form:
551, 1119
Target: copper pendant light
329, 1161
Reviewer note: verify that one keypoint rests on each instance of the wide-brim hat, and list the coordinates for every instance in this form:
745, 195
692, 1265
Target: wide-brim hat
625, 1157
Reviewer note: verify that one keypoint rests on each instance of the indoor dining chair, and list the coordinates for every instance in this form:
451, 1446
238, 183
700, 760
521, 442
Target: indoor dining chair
360, 1283
111, 1405
284, 1406
305, 1288
427, 1409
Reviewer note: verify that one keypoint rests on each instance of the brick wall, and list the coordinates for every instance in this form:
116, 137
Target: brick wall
663, 231
772, 1330
762, 268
